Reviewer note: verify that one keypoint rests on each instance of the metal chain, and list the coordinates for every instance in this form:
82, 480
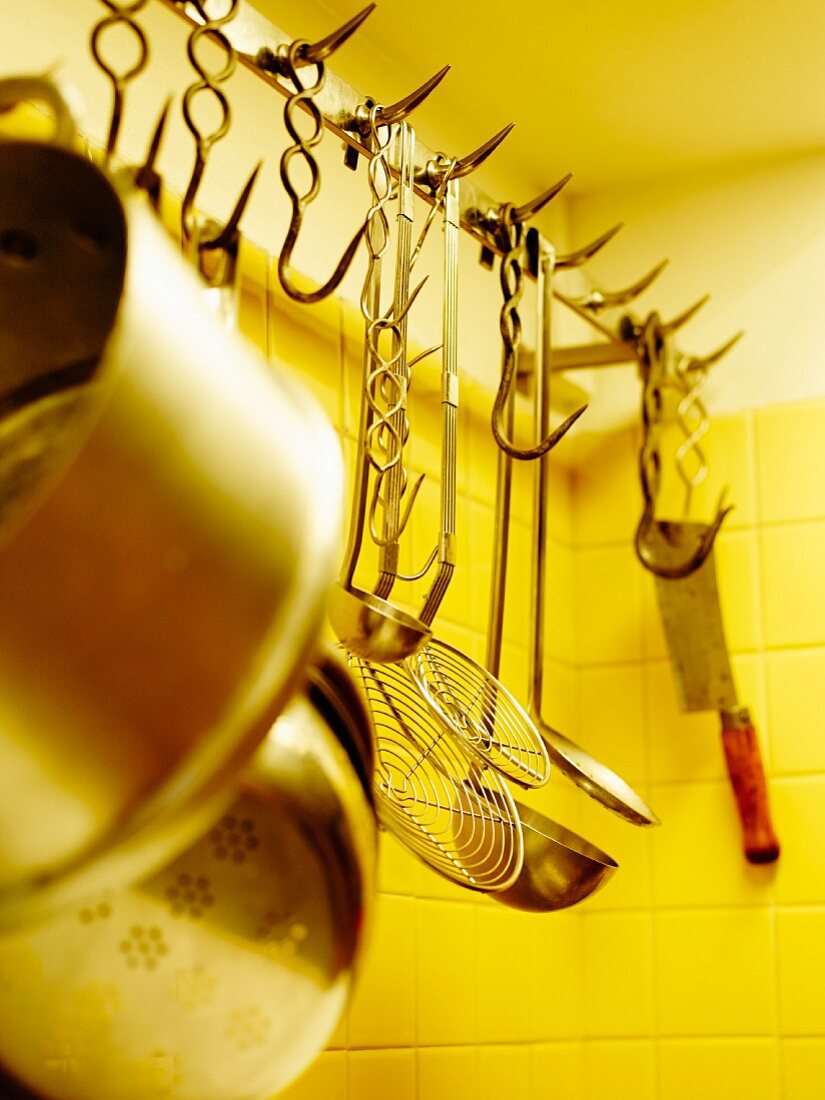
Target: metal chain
298, 105
120, 15
386, 387
652, 362
694, 422
511, 279
209, 82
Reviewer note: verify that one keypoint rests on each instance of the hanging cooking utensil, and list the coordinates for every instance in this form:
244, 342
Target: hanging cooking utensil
425, 790
467, 697
368, 624
694, 628
688, 597
423, 786
560, 867
140, 520
573, 761
222, 976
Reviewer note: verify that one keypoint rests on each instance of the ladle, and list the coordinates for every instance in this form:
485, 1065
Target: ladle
366, 623
467, 697
573, 761
560, 867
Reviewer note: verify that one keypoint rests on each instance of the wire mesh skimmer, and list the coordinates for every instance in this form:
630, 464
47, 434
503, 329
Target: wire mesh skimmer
431, 793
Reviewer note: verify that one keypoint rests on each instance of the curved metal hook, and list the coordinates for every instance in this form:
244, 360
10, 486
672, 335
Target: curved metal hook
528, 453
397, 112
276, 62
226, 239
498, 222
582, 255
147, 177
531, 208
656, 545
435, 170
326, 47
701, 363
597, 300
302, 146
683, 318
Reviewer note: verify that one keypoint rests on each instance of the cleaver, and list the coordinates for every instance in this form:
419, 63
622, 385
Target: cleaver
692, 620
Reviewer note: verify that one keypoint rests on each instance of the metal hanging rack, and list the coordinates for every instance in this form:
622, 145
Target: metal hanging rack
261, 47
258, 43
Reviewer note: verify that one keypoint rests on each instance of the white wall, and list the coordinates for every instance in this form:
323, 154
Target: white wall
754, 238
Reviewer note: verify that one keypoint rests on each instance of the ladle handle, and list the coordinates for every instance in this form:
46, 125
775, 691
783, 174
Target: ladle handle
747, 776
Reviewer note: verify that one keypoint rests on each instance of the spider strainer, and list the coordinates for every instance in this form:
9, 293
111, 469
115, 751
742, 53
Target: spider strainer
427, 787
480, 709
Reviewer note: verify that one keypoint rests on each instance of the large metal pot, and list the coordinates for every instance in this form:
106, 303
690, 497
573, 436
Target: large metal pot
221, 977
168, 511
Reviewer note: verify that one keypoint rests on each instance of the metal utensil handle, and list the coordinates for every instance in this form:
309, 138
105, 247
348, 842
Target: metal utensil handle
376, 235
394, 476
747, 776
501, 547
542, 377
449, 406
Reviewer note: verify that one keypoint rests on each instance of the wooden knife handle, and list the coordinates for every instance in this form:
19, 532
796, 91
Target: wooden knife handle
747, 776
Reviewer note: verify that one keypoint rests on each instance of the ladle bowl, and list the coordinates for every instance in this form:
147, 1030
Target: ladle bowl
560, 867
373, 628
595, 778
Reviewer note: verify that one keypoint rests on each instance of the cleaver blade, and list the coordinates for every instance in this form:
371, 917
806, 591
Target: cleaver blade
695, 632
692, 621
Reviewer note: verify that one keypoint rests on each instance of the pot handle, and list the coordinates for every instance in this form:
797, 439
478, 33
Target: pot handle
747, 776
15, 90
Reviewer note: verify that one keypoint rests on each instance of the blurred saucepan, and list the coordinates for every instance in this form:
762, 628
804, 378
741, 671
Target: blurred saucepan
223, 975
169, 508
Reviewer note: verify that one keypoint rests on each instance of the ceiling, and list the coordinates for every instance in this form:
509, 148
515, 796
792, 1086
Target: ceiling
615, 92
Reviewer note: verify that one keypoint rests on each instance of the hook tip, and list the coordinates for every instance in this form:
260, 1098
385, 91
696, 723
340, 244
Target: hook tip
530, 209
398, 111
325, 47
474, 160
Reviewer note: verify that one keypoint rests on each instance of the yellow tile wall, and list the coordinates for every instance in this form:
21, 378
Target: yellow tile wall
713, 969
693, 973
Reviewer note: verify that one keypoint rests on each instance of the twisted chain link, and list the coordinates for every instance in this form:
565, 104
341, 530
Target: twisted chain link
120, 15
298, 105
511, 279
694, 422
386, 386
652, 347
209, 82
